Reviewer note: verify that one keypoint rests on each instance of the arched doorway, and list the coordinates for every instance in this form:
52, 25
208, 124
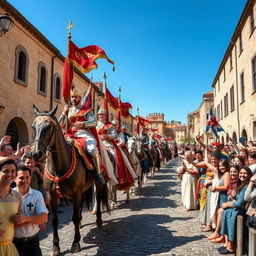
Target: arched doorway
244, 134
227, 139
18, 131
234, 137
222, 140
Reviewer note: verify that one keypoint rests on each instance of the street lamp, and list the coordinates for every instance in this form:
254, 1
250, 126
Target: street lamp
5, 23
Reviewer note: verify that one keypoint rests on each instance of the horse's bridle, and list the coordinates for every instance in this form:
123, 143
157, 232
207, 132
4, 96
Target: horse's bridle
48, 148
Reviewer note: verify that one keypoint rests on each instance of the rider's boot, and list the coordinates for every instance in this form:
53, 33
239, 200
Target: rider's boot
99, 176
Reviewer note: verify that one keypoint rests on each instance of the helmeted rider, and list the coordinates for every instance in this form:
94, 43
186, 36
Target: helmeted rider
81, 129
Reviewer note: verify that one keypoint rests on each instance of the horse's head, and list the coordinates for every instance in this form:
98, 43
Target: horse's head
138, 146
44, 127
130, 144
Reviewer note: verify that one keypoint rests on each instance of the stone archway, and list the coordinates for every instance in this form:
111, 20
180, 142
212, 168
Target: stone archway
234, 137
227, 138
18, 131
244, 134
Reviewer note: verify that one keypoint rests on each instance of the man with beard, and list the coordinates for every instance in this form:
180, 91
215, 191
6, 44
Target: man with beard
81, 130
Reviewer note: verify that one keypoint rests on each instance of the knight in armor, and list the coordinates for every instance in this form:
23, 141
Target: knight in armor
125, 133
81, 130
107, 132
109, 137
145, 141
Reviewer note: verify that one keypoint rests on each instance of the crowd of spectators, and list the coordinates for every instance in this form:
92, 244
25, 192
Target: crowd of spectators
220, 181
22, 206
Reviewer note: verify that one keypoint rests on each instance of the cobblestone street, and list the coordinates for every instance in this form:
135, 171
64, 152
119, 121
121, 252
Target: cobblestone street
153, 223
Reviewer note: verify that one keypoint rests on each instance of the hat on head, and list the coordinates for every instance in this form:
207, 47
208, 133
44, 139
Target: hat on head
123, 127
75, 92
102, 111
115, 122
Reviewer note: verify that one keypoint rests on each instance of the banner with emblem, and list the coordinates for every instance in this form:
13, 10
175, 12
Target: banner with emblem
84, 58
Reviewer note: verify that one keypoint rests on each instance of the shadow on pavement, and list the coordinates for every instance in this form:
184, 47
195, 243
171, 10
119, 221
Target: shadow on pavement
136, 235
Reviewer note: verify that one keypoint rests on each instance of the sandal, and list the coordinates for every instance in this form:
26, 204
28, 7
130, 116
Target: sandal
219, 239
211, 236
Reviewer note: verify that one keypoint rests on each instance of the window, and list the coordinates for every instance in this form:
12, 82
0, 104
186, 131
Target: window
218, 84
221, 110
240, 43
242, 86
42, 76
21, 66
232, 98
252, 22
218, 112
226, 104
224, 74
57, 87
254, 74
231, 61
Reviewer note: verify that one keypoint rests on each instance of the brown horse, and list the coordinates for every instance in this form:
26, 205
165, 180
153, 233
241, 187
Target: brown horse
156, 161
65, 174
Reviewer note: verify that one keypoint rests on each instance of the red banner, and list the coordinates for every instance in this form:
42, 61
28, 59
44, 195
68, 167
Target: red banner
113, 100
141, 122
84, 58
125, 106
67, 79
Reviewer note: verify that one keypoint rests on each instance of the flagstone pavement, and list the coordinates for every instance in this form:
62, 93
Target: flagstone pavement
153, 223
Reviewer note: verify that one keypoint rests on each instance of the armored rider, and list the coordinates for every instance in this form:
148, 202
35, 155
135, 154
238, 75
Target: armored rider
81, 129
108, 135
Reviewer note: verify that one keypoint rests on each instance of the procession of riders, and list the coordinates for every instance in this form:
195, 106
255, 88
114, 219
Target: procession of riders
118, 157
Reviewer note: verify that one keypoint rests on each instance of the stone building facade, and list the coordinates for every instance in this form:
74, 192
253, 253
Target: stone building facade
235, 82
171, 129
32, 73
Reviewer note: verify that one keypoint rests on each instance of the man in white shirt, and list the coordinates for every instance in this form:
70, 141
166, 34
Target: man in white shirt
252, 162
34, 213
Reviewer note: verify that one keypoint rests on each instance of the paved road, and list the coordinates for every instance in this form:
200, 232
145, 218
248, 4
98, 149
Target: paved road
153, 223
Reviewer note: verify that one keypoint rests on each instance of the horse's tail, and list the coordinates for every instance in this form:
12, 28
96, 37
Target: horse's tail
105, 195
88, 198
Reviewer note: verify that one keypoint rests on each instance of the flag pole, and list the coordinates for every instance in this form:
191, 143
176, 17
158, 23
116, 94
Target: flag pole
138, 125
69, 27
119, 110
105, 103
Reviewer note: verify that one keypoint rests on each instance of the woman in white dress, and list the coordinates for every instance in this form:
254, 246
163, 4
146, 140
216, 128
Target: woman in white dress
189, 175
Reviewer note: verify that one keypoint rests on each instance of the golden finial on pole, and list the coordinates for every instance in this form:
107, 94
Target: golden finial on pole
69, 27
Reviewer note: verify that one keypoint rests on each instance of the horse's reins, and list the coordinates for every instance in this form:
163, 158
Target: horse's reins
71, 169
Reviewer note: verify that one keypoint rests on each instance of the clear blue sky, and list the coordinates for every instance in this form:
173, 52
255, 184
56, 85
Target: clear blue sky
166, 52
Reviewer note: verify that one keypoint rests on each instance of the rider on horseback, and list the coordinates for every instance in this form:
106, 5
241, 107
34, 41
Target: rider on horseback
81, 122
108, 135
145, 141
125, 133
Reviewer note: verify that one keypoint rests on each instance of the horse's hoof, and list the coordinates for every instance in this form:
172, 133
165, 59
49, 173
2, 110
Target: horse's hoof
55, 251
99, 223
75, 247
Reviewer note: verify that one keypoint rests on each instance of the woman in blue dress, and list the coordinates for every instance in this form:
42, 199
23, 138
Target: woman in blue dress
232, 209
